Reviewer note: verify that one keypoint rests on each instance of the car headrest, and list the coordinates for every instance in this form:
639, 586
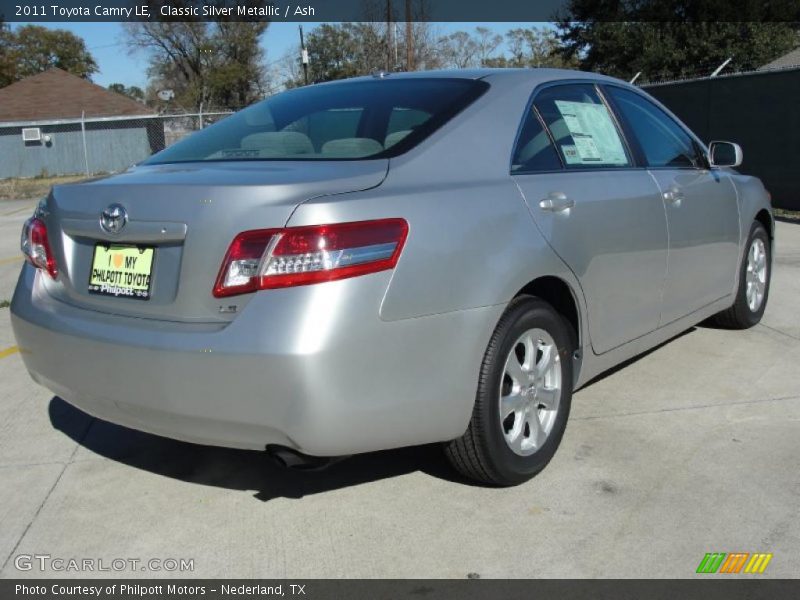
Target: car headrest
279, 143
351, 147
395, 137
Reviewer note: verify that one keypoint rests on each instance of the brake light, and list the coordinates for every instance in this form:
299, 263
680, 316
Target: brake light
276, 258
36, 248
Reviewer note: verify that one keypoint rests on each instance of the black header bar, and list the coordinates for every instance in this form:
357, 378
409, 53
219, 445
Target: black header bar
376, 10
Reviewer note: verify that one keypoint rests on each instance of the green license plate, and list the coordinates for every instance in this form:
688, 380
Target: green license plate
122, 271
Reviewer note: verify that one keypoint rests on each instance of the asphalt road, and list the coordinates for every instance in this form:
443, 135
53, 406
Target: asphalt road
692, 448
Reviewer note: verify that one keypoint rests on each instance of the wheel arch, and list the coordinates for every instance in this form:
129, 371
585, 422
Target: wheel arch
765, 219
560, 295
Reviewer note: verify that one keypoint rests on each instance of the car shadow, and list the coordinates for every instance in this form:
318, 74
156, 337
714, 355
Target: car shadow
638, 357
243, 470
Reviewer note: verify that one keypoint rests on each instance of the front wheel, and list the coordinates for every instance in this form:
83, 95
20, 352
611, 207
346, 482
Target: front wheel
523, 399
754, 276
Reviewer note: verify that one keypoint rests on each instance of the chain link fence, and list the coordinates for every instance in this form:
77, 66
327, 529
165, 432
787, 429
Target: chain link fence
710, 70
91, 146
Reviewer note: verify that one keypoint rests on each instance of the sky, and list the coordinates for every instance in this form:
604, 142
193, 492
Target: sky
105, 42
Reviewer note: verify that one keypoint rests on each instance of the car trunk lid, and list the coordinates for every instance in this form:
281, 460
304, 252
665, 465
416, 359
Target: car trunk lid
188, 213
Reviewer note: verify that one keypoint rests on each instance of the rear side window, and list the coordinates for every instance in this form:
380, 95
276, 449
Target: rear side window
534, 150
584, 131
374, 118
403, 121
664, 143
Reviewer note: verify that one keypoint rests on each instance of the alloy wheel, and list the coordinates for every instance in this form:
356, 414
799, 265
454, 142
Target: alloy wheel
530, 391
756, 275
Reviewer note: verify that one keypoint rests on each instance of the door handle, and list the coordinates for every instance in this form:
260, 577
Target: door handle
556, 202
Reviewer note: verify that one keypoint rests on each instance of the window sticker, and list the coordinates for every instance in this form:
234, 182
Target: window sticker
596, 141
587, 149
570, 154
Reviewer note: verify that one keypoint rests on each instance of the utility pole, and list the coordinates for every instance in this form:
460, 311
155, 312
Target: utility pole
389, 42
409, 38
303, 55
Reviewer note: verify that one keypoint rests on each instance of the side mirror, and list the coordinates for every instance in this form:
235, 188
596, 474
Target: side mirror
724, 154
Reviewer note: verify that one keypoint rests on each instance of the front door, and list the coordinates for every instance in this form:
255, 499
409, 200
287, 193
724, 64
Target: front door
603, 217
700, 203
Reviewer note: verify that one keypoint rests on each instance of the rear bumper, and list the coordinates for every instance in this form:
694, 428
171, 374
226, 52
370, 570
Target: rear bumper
312, 368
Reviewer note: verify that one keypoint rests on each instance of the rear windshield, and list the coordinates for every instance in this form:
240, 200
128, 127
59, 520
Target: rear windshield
353, 120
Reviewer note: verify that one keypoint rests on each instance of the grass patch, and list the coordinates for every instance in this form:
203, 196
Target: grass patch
32, 187
5, 303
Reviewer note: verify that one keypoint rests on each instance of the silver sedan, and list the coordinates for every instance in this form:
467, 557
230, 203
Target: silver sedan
389, 261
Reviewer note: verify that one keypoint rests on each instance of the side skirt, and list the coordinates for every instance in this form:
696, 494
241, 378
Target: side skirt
594, 364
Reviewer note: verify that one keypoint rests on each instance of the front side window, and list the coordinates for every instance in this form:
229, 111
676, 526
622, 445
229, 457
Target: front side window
663, 142
582, 127
376, 118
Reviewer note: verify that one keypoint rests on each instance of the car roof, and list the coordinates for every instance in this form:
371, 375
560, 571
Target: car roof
531, 75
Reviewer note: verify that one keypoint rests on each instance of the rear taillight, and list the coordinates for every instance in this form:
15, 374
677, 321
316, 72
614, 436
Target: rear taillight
36, 248
275, 258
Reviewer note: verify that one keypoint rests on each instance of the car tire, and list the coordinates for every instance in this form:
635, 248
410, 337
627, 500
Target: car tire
753, 291
534, 394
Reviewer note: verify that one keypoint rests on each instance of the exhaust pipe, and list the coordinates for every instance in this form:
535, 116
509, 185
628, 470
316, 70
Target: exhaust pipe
288, 458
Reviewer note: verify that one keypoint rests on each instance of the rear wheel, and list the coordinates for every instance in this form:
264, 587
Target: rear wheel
523, 399
754, 276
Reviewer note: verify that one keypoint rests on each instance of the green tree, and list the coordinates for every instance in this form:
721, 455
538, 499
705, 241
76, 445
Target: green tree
7, 65
340, 50
209, 64
31, 49
669, 39
133, 92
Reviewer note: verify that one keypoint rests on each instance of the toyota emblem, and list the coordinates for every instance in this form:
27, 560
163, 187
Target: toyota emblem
113, 218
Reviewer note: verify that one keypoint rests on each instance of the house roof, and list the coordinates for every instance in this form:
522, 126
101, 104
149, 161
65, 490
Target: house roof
792, 59
56, 94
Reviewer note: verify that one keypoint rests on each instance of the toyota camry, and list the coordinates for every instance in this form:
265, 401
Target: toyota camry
391, 260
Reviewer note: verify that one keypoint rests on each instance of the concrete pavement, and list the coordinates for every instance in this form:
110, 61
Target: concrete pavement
692, 448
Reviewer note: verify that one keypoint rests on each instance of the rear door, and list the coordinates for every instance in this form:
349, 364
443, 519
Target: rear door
601, 214
701, 206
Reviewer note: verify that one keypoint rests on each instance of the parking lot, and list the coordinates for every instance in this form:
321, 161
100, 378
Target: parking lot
692, 448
